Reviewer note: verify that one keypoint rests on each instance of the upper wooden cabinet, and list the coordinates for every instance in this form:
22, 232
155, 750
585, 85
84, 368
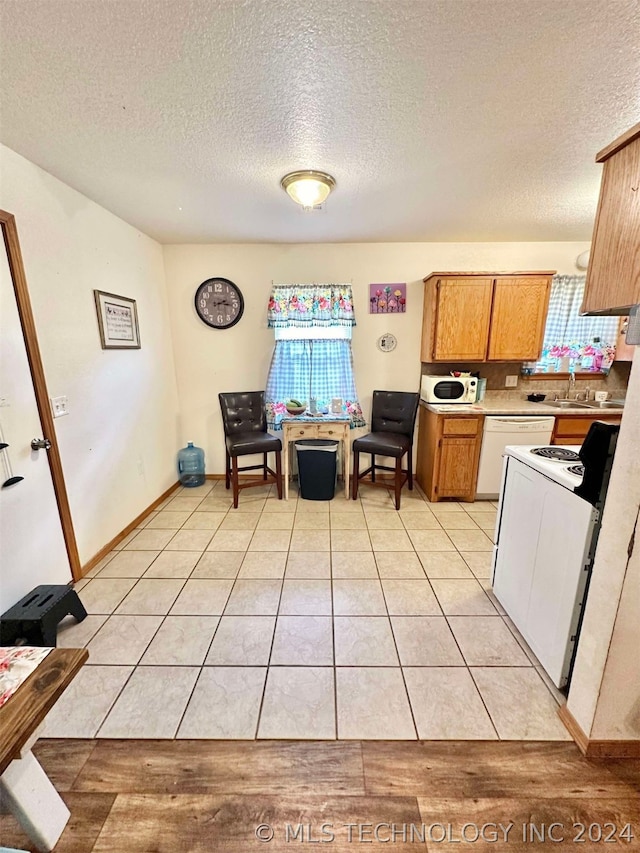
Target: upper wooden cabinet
613, 277
518, 318
484, 316
463, 312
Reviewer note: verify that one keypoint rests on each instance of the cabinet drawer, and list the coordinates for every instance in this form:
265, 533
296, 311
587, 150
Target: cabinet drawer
306, 431
334, 431
461, 426
575, 428
572, 426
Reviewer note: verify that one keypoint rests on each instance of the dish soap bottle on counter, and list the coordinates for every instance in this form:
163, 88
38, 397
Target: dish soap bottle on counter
191, 466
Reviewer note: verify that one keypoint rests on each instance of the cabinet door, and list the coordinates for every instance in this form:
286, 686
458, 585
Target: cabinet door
458, 467
518, 318
463, 309
613, 277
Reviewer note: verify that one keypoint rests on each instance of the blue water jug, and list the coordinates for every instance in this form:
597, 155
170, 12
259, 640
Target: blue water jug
191, 465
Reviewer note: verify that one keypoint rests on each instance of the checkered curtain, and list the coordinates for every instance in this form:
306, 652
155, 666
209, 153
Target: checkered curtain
302, 369
589, 342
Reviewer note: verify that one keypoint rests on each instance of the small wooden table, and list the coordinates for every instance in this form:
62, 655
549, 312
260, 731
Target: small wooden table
336, 428
30, 795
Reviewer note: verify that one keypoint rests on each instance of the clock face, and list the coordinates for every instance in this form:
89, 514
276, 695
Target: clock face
219, 303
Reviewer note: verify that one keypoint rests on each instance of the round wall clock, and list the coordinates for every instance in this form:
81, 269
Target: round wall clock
387, 343
219, 303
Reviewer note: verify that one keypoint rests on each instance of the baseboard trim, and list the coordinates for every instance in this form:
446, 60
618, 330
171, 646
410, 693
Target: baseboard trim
86, 567
571, 725
592, 748
221, 477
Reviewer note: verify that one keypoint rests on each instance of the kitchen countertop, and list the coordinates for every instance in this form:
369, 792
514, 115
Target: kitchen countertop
515, 407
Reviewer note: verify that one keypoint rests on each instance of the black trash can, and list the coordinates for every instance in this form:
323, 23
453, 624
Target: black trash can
317, 468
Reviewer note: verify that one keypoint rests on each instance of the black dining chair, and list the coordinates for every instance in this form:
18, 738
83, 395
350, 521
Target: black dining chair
393, 418
245, 430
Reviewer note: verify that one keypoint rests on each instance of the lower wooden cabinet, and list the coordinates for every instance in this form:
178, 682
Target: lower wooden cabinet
448, 454
572, 429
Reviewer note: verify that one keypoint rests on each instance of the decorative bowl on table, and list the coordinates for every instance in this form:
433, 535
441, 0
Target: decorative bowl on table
294, 407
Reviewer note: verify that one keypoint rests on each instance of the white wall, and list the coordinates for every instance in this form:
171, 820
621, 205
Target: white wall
118, 443
209, 361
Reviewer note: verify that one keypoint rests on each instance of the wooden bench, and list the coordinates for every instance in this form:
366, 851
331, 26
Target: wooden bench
23, 783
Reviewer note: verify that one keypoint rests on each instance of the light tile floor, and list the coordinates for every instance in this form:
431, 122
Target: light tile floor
303, 619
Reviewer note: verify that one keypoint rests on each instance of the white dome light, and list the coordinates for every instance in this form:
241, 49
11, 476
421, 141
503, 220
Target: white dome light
308, 187
582, 261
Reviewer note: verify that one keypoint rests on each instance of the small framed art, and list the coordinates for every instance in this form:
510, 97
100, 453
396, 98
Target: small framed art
118, 321
387, 298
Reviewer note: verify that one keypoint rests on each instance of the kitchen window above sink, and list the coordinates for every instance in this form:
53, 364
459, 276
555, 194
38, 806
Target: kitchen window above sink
574, 343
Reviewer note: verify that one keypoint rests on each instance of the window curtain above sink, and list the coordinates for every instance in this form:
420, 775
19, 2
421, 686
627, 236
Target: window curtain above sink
572, 342
312, 358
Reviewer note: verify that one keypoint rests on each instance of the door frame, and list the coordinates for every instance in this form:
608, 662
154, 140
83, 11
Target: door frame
23, 301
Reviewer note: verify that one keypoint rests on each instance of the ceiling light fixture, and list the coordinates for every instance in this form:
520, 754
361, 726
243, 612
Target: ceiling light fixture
582, 261
308, 187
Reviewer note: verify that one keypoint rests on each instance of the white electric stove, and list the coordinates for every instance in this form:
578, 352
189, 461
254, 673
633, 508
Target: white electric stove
541, 556
558, 463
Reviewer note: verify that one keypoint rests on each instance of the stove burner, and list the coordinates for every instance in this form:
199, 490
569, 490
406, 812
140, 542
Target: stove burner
576, 469
557, 453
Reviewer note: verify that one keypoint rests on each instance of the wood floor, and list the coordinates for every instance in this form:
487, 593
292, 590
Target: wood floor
201, 796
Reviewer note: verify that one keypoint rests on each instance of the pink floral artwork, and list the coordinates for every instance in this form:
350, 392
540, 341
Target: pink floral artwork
387, 298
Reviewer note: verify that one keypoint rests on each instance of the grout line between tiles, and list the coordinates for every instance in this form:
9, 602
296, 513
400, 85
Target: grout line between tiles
266, 674
486, 707
404, 680
118, 695
333, 645
191, 692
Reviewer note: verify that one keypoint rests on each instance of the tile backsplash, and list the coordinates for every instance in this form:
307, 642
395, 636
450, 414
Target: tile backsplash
615, 383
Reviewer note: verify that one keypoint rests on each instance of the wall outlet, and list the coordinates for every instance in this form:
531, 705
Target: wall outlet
59, 406
511, 381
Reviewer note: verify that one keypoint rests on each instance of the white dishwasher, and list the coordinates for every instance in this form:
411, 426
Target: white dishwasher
500, 431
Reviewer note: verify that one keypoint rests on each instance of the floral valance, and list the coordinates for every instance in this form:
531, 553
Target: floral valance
306, 305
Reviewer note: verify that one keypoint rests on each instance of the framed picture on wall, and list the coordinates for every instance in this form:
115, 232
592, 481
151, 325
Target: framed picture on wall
388, 298
118, 321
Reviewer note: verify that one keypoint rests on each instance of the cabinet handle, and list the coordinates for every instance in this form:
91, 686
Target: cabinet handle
330, 432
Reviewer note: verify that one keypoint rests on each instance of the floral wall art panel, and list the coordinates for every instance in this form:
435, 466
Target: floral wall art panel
387, 298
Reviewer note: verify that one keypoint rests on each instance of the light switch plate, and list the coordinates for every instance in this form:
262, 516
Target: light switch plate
511, 381
59, 406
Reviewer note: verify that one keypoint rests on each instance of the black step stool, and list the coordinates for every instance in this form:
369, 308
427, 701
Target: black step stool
34, 619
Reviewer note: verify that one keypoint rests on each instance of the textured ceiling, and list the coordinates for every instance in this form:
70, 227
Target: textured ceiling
439, 119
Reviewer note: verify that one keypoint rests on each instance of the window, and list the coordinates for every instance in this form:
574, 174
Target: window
573, 343
312, 356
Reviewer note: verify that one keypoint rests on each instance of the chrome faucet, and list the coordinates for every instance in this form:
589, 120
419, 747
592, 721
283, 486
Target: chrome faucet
583, 395
571, 384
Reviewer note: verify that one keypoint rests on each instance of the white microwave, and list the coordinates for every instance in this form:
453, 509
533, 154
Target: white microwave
449, 389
